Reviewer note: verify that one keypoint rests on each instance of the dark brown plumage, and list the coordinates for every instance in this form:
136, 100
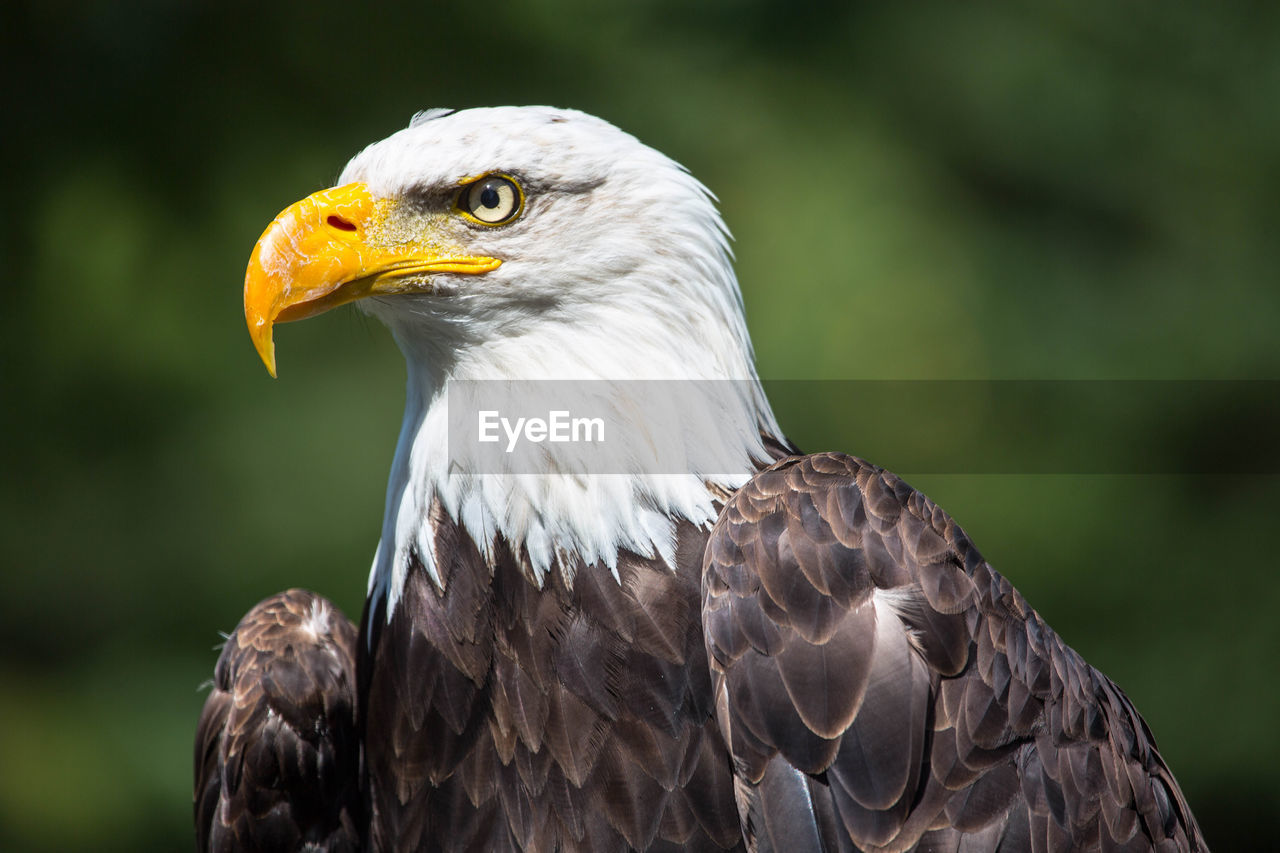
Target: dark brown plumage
872, 684
276, 752
879, 683
506, 717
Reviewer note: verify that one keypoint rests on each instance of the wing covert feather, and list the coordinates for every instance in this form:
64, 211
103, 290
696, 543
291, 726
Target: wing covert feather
881, 687
277, 755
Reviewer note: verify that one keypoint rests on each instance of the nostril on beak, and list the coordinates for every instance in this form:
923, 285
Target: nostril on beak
335, 221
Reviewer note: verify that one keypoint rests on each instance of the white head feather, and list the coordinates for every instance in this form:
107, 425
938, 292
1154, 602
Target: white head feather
618, 268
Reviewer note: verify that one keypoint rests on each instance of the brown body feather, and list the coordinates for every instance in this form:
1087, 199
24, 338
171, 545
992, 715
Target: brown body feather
276, 751
881, 687
502, 716
834, 667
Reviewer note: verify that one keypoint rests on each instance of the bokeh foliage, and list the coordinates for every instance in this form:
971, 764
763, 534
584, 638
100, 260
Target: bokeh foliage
919, 191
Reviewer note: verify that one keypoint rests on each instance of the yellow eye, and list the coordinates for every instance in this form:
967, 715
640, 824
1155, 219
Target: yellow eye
492, 200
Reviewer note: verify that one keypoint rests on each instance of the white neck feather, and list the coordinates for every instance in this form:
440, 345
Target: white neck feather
628, 279
593, 517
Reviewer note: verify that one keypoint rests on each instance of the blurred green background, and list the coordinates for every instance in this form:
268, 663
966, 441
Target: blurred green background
931, 190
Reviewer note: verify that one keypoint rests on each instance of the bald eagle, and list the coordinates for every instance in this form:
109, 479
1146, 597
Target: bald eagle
761, 650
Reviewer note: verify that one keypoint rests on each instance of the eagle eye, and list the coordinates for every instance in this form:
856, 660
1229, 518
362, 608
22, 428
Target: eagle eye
491, 200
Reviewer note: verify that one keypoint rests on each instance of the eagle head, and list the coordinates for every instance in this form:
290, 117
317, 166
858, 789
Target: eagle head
531, 243
481, 228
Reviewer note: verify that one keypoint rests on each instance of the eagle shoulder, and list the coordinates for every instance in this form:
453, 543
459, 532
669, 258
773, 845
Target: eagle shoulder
879, 684
277, 753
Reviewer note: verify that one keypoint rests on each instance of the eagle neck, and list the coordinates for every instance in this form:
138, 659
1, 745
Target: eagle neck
540, 518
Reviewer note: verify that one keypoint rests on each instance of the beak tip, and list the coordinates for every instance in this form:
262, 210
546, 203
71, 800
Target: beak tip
268, 355
264, 343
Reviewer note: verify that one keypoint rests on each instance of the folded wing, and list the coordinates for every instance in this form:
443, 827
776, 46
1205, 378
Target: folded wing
277, 754
882, 687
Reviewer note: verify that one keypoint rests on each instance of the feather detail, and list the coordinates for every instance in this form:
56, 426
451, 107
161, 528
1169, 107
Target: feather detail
276, 748
843, 609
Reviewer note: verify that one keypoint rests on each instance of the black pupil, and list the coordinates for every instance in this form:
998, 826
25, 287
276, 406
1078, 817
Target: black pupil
489, 197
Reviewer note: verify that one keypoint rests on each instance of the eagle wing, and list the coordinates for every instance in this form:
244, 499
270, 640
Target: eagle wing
881, 686
277, 753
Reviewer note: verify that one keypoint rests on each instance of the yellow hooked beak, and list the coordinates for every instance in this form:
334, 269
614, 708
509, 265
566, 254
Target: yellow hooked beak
317, 255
